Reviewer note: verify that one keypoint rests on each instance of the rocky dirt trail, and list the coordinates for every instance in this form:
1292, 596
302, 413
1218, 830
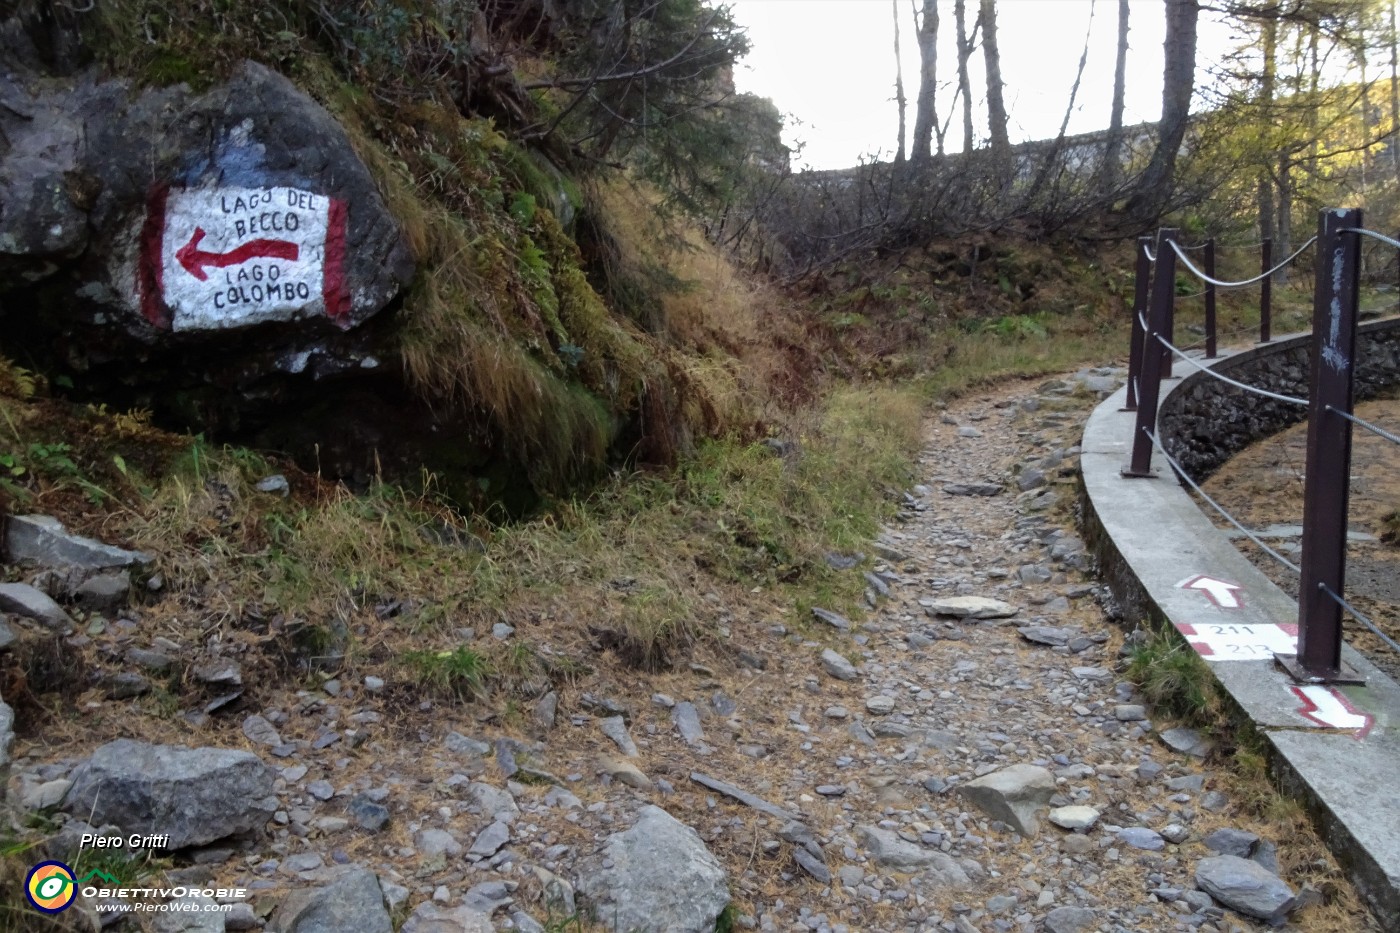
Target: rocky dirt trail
964, 757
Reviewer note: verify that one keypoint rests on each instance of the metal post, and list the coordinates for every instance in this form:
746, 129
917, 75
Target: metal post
1168, 328
1210, 299
1143, 275
1266, 292
1149, 390
1327, 481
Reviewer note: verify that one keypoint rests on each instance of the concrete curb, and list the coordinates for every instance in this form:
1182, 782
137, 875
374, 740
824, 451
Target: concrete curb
1166, 562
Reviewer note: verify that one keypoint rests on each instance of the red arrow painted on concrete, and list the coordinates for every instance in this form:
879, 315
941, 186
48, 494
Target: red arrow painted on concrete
1220, 592
195, 259
1327, 707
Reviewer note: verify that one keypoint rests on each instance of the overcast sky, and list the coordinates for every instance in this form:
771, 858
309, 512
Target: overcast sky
829, 65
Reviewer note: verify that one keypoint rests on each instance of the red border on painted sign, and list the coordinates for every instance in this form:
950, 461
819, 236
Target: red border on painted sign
334, 292
150, 273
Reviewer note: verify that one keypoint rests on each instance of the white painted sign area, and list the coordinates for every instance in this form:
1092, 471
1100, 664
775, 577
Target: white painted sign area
230, 257
1221, 593
1329, 708
1224, 642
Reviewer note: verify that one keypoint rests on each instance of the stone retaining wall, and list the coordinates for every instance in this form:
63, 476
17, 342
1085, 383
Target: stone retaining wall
1203, 422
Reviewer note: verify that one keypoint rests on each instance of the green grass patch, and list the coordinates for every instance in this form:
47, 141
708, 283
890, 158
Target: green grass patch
1176, 680
459, 673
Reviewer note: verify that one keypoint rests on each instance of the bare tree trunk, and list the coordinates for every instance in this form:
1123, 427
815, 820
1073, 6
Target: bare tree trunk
1394, 100
1266, 100
1283, 243
1178, 82
996, 103
1052, 158
964, 83
1314, 79
925, 111
899, 91
1113, 151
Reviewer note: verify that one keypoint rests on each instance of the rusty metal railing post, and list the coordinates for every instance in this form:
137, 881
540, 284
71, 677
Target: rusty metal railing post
1142, 276
1158, 324
1327, 481
1266, 291
1210, 299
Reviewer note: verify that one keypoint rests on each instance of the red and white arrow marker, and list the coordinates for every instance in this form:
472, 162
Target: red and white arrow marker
1220, 592
195, 259
1327, 707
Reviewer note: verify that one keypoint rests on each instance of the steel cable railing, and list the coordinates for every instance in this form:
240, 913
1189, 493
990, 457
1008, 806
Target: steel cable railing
1246, 282
1330, 391
1292, 400
1372, 234
1367, 623
1374, 429
1181, 472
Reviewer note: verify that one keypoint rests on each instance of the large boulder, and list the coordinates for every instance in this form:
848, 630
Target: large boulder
193, 795
170, 210
215, 256
658, 875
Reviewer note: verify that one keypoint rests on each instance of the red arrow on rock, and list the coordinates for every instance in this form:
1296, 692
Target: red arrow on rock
195, 259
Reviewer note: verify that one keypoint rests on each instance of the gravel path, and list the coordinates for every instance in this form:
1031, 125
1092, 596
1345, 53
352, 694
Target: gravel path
887, 773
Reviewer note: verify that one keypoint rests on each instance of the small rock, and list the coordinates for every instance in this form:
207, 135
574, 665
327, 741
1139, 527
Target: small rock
369, 815
259, 730
24, 600
1075, 817
615, 728
276, 485
105, 593
838, 622
1129, 712
879, 705
1187, 741
624, 772
1070, 920
546, 710
837, 666
429, 917
1237, 842
687, 721
1140, 837
490, 840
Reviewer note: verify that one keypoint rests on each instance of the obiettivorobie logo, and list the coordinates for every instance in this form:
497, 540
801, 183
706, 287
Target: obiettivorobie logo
51, 887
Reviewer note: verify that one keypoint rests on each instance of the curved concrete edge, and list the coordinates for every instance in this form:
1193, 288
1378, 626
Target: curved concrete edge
1151, 542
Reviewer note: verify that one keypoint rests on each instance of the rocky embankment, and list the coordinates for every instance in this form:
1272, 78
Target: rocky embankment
963, 757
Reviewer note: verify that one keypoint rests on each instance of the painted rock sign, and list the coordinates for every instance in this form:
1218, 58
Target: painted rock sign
218, 258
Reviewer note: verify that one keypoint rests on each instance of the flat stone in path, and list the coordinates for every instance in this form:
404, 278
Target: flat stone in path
1245, 886
888, 850
837, 666
1012, 795
972, 489
24, 600
969, 607
744, 797
1076, 817
835, 620
1070, 920
1187, 741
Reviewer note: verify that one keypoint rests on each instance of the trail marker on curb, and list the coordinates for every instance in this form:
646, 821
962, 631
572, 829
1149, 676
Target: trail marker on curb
1327, 707
1221, 593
